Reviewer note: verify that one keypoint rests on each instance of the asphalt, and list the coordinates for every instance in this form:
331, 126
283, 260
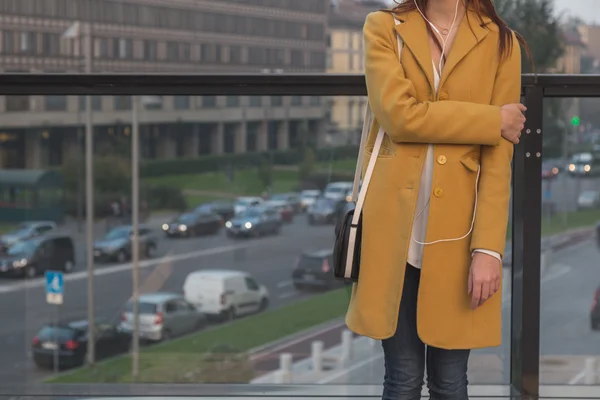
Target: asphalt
269, 259
567, 291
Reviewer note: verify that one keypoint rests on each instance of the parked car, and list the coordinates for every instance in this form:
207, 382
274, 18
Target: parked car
313, 270
116, 244
254, 222
323, 211
30, 257
225, 294
70, 339
224, 208
588, 199
308, 198
595, 312
193, 224
25, 230
243, 203
162, 316
290, 199
286, 212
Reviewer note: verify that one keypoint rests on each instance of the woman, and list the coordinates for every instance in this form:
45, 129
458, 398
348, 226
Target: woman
436, 211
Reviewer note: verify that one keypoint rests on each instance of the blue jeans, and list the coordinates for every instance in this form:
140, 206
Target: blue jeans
406, 356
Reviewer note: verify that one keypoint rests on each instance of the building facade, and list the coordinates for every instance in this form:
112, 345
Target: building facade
346, 56
160, 36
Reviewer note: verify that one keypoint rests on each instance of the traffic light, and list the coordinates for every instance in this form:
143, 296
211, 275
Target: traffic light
575, 121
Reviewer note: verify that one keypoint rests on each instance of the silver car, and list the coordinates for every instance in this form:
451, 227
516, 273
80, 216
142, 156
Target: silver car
162, 316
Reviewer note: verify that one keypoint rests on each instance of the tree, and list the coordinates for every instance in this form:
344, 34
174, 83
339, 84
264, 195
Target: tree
265, 173
308, 164
536, 21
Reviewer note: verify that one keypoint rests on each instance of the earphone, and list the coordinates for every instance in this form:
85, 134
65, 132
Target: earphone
472, 219
436, 30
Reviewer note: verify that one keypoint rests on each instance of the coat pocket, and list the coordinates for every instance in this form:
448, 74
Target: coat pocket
384, 152
470, 163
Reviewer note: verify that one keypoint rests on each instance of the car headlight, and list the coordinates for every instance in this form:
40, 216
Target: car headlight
587, 168
165, 227
182, 228
228, 224
20, 263
571, 167
248, 225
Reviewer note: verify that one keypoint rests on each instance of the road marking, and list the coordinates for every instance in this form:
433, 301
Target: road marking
558, 270
284, 284
347, 371
577, 378
40, 282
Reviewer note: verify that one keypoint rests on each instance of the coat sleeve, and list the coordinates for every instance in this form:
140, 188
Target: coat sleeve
392, 98
491, 219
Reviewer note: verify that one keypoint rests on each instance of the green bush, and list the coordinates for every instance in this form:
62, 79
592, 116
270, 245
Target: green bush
308, 164
163, 197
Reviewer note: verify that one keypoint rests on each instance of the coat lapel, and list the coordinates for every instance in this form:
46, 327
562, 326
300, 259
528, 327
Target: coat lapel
413, 32
470, 32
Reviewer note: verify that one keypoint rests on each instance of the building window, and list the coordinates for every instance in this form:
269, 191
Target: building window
8, 41
55, 103
209, 101
103, 51
296, 100
276, 101
181, 102
96, 103
206, 53
50, 44
150, 50
235, 55
17, 103
317, 59
27, 43
315, 100
185, 51
123, 48
255, 101
122, 103
297, 58
172, 51
232, 101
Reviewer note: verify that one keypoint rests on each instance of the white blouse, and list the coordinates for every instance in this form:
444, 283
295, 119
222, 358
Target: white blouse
419, 228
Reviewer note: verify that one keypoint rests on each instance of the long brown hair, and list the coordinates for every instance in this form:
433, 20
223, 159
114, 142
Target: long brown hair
481, 8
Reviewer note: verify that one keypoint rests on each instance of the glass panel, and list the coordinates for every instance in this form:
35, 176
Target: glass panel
570, 302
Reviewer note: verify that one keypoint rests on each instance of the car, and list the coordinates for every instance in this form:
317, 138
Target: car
595, 312
25, 230
337, 190
323, 211
588, 199
243, 203
28, 258
224, 208
116, 244
70, 340
193, 224
225, 294
162, 316
308, 198
289, 199
313, 270
254, 222
550, 169
285, 210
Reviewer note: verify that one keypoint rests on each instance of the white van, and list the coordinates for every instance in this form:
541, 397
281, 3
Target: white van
337, 190
225, 294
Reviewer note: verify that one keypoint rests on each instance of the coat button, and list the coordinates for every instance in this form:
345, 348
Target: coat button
438, 192
444, 96
442, 159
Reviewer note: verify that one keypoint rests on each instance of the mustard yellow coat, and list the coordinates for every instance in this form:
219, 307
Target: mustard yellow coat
462, 120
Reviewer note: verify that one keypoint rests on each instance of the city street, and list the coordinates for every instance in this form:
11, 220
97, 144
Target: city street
567, 291
564, 190
270, 260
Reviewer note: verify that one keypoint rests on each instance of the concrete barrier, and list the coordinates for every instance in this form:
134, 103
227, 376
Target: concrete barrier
284, 375
590, 371
346, 343
316, 356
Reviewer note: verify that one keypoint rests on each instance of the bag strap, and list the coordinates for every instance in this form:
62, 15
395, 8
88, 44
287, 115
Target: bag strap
376, 147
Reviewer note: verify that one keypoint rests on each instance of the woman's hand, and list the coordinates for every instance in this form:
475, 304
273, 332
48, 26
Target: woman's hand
513, 121
484, 278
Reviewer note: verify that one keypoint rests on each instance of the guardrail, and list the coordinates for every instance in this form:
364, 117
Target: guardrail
527, 194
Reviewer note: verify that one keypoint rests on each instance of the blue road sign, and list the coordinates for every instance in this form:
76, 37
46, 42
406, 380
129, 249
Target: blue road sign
55, 287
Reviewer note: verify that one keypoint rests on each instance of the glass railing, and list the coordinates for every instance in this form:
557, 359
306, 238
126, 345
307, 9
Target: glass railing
236, 299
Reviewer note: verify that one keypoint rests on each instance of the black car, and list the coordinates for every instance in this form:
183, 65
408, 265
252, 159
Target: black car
193, 224
31, 257
323, 211
595, 313
254, 222
116, 244
313, 270
70, 339
223, 208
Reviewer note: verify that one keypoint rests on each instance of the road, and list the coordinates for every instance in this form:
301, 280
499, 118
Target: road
567, 291
565, 190
270, 259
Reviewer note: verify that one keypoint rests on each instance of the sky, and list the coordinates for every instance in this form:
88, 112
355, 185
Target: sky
588, 10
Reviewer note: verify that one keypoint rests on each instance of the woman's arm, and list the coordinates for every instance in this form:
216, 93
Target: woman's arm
491, 219
392, 99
